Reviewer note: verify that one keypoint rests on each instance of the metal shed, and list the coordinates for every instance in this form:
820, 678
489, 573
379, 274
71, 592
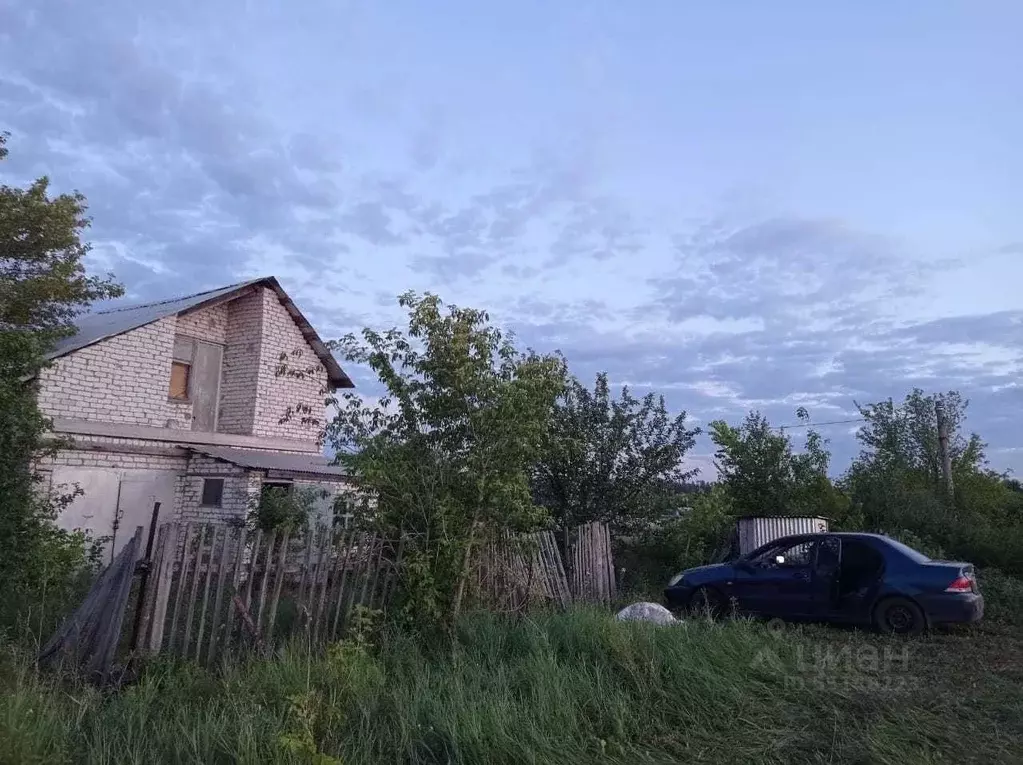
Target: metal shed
757, 530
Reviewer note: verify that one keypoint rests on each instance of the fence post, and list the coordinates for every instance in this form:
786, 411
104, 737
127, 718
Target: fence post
193, 593
147, 581
219, 599
165, 574
182, 575
275, 597
235, 586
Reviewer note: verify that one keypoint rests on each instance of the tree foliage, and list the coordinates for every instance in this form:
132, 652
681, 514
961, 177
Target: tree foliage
617, 460
283, 508
43, 285
699, 533
897, 482
446, 451
765, 476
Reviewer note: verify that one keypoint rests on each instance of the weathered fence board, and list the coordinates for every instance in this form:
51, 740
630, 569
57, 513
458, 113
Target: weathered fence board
89, 637
516, 572
212, 589
592, 575
224, 586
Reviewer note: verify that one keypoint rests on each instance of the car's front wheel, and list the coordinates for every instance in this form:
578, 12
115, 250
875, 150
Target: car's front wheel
900, 616
706, 601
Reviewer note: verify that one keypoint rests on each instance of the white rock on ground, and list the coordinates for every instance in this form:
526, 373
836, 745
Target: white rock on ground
646, 612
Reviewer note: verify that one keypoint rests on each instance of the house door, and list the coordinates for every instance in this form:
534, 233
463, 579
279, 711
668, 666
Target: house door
113, 502
205, 385
138, 492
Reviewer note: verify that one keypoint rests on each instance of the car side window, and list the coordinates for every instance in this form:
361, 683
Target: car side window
788, 556
828, 554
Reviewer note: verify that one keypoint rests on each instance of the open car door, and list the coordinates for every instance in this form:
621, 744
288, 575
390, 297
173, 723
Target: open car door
827, 566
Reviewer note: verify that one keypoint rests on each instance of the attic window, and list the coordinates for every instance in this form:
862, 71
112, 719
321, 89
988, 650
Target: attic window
181, 368
180, 372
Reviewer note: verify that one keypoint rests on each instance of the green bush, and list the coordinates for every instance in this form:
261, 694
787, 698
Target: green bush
699, 534
1003, 597
280, 508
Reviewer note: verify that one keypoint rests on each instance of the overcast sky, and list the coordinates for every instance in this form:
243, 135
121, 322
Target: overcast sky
743, 205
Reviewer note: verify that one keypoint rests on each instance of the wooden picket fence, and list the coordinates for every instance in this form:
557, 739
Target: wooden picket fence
590, 564
210, 590
520, 571
218, 587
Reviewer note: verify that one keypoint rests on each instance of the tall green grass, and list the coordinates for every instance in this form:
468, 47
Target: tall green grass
570, 688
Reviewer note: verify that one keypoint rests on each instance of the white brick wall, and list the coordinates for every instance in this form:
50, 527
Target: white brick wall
239, 383
327, 493
209, 324
278, 394
241, 488
129, 460
124, 379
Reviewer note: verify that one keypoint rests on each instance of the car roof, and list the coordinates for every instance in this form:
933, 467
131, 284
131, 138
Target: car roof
881, 538
844, 534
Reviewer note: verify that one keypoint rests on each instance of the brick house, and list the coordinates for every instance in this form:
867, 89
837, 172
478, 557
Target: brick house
187, 402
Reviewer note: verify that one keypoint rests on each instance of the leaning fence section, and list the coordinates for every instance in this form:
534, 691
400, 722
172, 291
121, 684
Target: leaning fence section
590, 564
217, 588
89, 637
520, 571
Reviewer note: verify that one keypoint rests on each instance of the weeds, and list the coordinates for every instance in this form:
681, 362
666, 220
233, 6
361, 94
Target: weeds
570, 688
304, 713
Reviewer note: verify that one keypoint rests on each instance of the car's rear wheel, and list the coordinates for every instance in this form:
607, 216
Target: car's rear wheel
706, 601
900, 616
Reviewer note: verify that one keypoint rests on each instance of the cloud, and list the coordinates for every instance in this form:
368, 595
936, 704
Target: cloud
370, 179
179, 170
782, 271
826, 367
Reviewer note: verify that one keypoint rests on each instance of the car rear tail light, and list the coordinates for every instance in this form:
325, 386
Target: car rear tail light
961, 584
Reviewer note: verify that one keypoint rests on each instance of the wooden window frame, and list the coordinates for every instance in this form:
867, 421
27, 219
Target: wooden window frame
182, 355
187, 398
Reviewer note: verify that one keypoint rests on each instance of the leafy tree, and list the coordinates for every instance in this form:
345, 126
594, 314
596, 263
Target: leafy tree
43, 285
446, 452
764, 476
904, 438
897, 482
617, 460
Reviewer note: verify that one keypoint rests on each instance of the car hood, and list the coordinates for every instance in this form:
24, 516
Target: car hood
710, 573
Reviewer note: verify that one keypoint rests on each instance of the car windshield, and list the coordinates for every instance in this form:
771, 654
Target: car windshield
914, 555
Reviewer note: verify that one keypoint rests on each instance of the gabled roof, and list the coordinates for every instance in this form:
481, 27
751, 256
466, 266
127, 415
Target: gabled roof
101, 325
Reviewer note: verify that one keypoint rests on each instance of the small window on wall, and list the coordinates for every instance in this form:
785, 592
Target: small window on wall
181, 368
180, 372
212, 492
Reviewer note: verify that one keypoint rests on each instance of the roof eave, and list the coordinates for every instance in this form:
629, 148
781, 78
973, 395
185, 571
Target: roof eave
336, 377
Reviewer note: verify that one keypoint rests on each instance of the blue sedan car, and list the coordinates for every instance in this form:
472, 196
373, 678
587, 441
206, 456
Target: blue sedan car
865, 579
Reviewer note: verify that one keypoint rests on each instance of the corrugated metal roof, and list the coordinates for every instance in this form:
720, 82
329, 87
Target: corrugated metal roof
101, 325
311, 464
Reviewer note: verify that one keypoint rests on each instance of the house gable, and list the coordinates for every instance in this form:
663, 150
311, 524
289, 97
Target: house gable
232, 347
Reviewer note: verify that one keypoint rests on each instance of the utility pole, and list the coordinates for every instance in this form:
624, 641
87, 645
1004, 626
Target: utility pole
943, 452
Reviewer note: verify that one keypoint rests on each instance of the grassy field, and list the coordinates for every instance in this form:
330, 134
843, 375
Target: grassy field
569, 688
